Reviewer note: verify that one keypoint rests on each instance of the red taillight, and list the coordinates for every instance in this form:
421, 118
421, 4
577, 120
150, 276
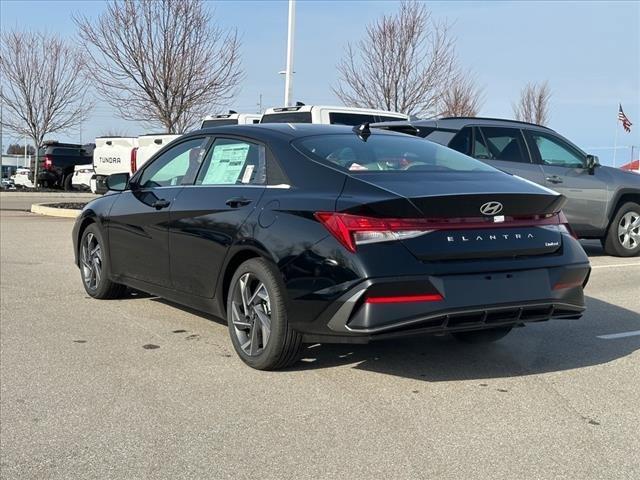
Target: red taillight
432, 297
134, 160
48, 162
352, 230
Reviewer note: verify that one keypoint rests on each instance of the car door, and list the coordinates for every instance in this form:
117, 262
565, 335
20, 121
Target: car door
138, 221
505, 149
565, 171
207, 215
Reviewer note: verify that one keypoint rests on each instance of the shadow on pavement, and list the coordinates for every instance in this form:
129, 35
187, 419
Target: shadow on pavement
593, 248
550, 346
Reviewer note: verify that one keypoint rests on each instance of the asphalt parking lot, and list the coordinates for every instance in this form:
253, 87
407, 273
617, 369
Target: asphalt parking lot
85, 393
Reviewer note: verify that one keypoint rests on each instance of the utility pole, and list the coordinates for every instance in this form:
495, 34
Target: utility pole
260, 103
288, 73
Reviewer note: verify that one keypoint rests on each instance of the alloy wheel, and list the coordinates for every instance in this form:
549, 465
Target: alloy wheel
91, 261
629, 230
251, 314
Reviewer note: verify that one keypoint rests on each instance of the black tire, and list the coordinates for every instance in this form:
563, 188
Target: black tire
103, 288
68, 186
613, 242
482, 336
283, 344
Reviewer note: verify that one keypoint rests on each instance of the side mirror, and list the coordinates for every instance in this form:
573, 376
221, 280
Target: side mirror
118, 182
592, 163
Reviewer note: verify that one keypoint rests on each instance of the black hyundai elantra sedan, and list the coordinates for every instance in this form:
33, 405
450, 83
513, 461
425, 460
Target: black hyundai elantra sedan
317, 233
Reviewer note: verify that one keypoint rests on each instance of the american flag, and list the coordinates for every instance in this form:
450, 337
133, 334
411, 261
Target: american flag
626, 123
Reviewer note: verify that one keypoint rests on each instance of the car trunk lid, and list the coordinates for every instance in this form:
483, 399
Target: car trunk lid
444, 216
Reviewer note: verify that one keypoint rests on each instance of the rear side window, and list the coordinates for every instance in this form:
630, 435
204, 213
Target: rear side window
462, 141
384, 153
499, 143
287, 117
233, 162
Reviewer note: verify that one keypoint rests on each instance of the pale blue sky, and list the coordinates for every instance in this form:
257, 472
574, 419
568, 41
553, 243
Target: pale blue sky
588, 51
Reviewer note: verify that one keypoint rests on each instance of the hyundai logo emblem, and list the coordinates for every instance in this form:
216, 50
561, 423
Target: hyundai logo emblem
491, 208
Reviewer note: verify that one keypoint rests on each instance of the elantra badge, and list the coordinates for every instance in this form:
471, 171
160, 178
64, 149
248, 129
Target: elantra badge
491, 208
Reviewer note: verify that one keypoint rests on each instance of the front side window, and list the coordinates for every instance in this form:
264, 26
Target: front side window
177, 166
554, 153
505, 144
233, 162
384, 153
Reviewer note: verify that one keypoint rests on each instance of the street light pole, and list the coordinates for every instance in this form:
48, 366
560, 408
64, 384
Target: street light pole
288, 74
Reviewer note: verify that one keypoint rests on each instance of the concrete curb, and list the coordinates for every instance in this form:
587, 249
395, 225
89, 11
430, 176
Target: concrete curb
45, 209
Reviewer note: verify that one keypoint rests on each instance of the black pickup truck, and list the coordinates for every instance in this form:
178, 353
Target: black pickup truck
57, 162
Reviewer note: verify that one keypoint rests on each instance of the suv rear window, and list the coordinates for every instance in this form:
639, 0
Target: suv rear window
501, 143
382, 152
287, 117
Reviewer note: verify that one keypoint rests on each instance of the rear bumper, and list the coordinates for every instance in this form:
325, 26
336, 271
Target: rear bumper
468, 302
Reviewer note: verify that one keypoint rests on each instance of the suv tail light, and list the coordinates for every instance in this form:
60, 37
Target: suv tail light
134, 160
48, 162
353, 230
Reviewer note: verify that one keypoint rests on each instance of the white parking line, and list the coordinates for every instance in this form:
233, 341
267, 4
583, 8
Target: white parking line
637, 264
611, 336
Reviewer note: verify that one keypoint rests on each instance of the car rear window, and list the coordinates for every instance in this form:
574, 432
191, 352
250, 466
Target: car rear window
287, 117
382, 152
219, 122
353, 119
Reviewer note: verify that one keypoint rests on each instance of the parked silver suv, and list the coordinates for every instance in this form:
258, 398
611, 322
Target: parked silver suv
602, 202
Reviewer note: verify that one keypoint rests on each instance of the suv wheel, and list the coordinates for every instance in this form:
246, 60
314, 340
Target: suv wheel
257, 317
623, 237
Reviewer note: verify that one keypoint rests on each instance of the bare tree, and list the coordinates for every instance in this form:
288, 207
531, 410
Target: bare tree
533, 105
161, 61
41, 88
462, 98
404, 63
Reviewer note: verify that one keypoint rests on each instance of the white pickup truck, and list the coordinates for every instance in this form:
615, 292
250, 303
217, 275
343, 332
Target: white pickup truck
301, 113
123, 155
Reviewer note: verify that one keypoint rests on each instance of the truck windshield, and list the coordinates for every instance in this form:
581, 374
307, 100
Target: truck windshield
383, 152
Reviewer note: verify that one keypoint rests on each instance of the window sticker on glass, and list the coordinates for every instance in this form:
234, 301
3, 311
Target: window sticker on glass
226, 164
246, 177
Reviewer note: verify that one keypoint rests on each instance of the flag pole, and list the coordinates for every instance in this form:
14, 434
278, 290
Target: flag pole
615, 139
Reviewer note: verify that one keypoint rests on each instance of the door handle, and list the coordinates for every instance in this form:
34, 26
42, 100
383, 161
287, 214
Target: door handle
554, 179
236, 202
160, 204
